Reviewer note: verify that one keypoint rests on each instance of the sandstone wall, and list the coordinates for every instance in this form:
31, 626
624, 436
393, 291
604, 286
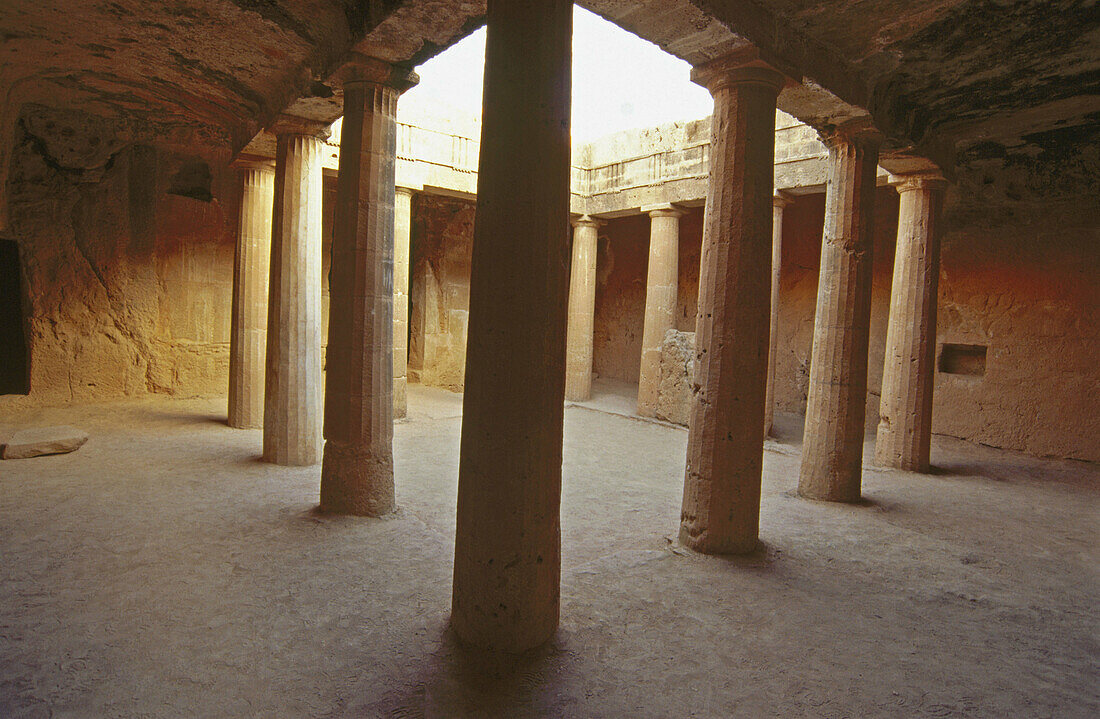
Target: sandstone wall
621, 266
439, 297
127, 253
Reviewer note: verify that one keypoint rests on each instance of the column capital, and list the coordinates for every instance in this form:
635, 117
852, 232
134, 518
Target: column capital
399, 190
931, 181
363, 69
860, 131
782, 199
253, 162
293, 125
586, 221
665, 210
736, 68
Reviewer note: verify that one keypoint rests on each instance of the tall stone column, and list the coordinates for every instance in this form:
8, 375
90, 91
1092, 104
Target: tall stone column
292, 395
357, 472
721, 507
832, 445
507, 568
248, 337
905, 409
779, 203
660, 301
582, 308
402, 232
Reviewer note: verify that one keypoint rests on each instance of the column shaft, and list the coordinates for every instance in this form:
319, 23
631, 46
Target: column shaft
582, 308
905, 421
507, 543
252, 263
660, 302
779, 202
721, 506
402, 231
832, 447
357, 472
292, 399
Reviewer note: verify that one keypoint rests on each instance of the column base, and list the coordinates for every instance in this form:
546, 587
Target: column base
300, 456
830, 489
245, 423
887, 456
707, 543
400, 397
355, 482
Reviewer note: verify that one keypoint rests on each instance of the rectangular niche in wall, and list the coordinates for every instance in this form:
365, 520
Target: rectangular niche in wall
963, 359
13, 344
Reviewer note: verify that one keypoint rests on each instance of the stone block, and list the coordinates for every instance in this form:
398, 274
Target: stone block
43, 440
677, 374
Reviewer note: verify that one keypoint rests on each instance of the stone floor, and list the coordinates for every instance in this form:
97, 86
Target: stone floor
163, 571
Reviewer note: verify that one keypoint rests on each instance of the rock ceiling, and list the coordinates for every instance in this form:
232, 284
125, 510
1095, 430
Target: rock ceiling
935, 74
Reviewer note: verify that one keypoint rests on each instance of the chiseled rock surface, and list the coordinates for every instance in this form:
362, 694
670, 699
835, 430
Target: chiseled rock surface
43, 440
677, 372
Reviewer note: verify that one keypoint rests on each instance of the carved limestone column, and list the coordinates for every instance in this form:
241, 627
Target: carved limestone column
292, 398
779, 202
582, 308
402, 231
357, 472
660, 300
252, 263
905, 409
721, 506
507, 568
832, 446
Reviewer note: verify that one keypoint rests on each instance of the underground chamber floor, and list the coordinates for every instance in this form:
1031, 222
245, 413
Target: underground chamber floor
163, 571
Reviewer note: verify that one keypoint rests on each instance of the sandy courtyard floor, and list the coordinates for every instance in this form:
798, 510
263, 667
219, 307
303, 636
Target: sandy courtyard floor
163, 571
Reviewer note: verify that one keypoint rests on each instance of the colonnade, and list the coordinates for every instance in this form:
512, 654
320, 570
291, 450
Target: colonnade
532, 296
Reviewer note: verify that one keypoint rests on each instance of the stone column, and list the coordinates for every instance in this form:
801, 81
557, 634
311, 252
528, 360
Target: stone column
779, 202
402, 231
660, 300
905, 422
248, 338
507, 541
582, 308
721, 507
357, 472
832, 446
292, 398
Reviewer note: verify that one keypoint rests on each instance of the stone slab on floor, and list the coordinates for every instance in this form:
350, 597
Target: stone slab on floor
39, 441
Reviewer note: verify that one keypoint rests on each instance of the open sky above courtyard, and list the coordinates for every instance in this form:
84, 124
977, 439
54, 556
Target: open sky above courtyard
620, 81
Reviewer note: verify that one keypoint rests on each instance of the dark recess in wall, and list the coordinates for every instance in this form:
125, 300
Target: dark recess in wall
192, 180
13, 343
963, 359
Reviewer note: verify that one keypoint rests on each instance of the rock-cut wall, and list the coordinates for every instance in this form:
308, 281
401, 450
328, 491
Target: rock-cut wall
126, 252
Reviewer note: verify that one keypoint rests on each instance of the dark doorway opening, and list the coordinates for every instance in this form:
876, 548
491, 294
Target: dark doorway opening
14, 377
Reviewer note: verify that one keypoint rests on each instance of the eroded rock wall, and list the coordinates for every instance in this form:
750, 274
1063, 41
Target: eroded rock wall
441, 246
621, 266
126, 251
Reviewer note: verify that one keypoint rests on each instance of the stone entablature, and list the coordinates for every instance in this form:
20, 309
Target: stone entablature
611, 176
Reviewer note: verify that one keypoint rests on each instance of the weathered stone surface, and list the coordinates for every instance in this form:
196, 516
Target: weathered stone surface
582, 309
660, 301
507, 562
904, 435
293, 396
721, 507
357, 469
43, 440
252, 268
779, 202
677, 376
832, 446
440, 290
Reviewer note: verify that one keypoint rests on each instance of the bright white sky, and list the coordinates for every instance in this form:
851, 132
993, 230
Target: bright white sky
620, 81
